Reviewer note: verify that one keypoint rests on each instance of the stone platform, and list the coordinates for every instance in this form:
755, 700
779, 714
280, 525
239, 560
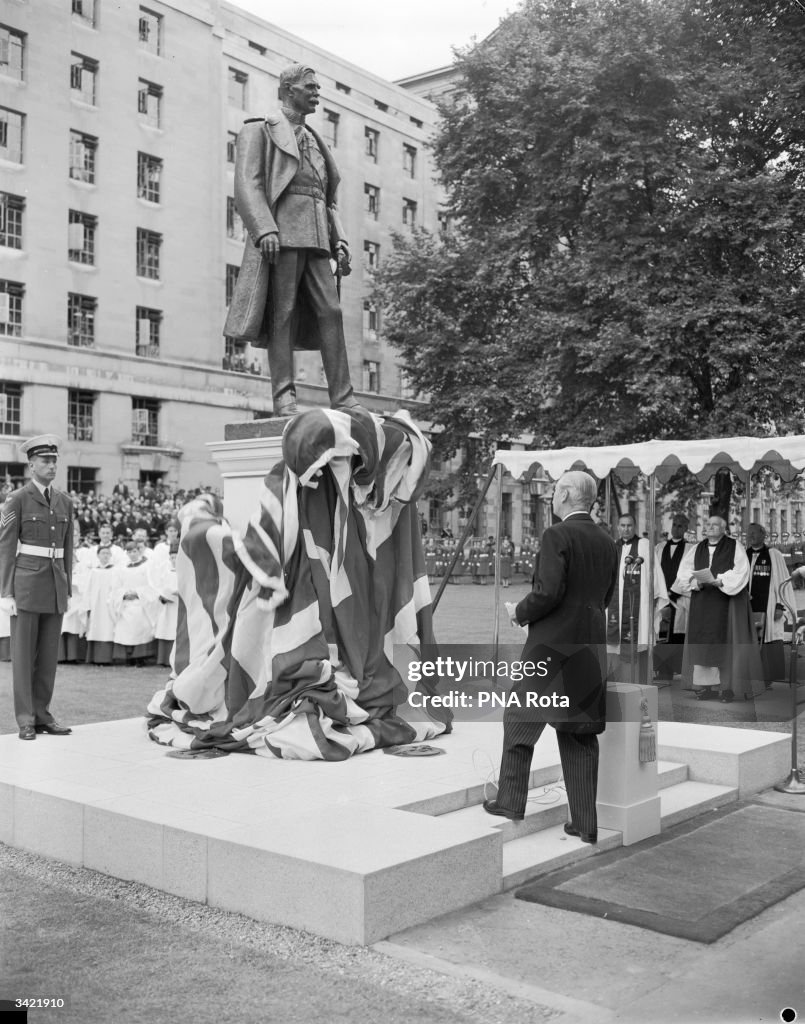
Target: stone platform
353, 851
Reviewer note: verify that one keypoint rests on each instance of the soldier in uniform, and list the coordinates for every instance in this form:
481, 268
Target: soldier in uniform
285, 296
36, 559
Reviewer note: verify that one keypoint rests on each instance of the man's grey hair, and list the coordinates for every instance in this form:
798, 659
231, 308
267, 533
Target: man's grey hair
292, 74
582, 490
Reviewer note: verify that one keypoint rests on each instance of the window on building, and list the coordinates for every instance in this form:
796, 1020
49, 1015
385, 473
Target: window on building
237, 82
81, 231
408, 392
12, 52
235, 356
372, 200
149, 244
372, 142
381, 106
371, 255
12, 474
149, 174
150, 31
371, 375
234, 223
149, 103
84, 79
370, 320
232, 272
409, 161
148, 327
83, 157
80, 414
10, 401
346, 89
11, 129
231, 146
85, 10
81, 311
262, 50
12, 209
330, 132
145, 421
82, 479
415, 121
11, 295
446, 223
409, 213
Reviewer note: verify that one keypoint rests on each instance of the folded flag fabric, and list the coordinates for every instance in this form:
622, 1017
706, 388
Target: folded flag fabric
287, 636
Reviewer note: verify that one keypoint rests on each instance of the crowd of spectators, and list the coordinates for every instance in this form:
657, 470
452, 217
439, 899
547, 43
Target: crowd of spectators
150, 508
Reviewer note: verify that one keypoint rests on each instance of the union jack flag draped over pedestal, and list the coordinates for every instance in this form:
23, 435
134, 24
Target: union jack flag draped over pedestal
286, 635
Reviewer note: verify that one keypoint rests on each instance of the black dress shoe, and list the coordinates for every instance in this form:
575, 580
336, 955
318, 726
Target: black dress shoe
492, 807
585, 837
727, 697
27, 732
708, 693
53, 728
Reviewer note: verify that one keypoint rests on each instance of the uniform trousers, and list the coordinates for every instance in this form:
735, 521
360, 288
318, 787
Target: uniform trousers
298, 271
34, 656
579, 755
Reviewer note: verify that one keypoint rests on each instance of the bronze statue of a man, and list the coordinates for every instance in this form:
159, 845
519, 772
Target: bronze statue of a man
286, 296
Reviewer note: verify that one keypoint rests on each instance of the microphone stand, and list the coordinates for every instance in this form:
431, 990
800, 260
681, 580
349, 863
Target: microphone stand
793, 784
629, 571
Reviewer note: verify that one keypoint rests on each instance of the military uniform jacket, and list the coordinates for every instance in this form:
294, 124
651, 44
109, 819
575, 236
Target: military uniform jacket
38, 582
266, 164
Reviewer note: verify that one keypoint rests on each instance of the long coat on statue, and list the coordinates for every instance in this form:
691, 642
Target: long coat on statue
267, 161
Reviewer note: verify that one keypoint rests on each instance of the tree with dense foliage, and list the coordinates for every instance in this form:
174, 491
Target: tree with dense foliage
628, 183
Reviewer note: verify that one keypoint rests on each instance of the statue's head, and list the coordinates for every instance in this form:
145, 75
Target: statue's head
299, 88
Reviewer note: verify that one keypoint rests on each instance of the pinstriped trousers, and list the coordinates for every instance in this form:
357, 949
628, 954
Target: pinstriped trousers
579, 755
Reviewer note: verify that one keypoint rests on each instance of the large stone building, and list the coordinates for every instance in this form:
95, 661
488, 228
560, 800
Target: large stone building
119, 242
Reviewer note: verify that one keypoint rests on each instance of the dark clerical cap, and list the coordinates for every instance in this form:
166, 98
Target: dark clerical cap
44, 444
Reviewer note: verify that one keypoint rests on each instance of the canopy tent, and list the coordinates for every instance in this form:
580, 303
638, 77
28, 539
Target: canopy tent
661, 459
657, 460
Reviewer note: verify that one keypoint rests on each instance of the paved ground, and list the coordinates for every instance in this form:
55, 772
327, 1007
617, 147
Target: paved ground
124, 953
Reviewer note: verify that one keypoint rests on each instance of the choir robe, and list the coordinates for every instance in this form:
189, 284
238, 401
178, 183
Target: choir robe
101, 626
135, 617
720, 647
162, 577
618, 615
72, 645
768, 571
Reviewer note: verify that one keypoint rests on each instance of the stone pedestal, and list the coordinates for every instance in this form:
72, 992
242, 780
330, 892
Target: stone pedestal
248, 452
628, 797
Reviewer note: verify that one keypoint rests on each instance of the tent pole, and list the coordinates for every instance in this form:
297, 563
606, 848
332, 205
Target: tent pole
652, 541
464, 535
498, 505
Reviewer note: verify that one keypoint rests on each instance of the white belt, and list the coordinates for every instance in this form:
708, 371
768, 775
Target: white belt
40, 551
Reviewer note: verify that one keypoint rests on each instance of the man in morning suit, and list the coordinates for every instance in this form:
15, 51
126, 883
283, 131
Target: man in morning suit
285, 296
36, 559
575, 576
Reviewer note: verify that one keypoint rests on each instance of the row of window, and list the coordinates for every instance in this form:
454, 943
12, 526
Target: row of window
149, 27
81, 415
81, 314
238, 83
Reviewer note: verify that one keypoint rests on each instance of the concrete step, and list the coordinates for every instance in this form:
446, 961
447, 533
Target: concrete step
546, 807
534, 855
687, 799
669, 773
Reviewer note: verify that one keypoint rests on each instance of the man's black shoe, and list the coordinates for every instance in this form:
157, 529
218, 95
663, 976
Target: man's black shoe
27, 732
708, 693
585, 837
54, 729
727, 697
492, 807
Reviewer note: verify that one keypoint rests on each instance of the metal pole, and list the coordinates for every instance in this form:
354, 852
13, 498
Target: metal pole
652, 556
464, 536
496, 631
793, 784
